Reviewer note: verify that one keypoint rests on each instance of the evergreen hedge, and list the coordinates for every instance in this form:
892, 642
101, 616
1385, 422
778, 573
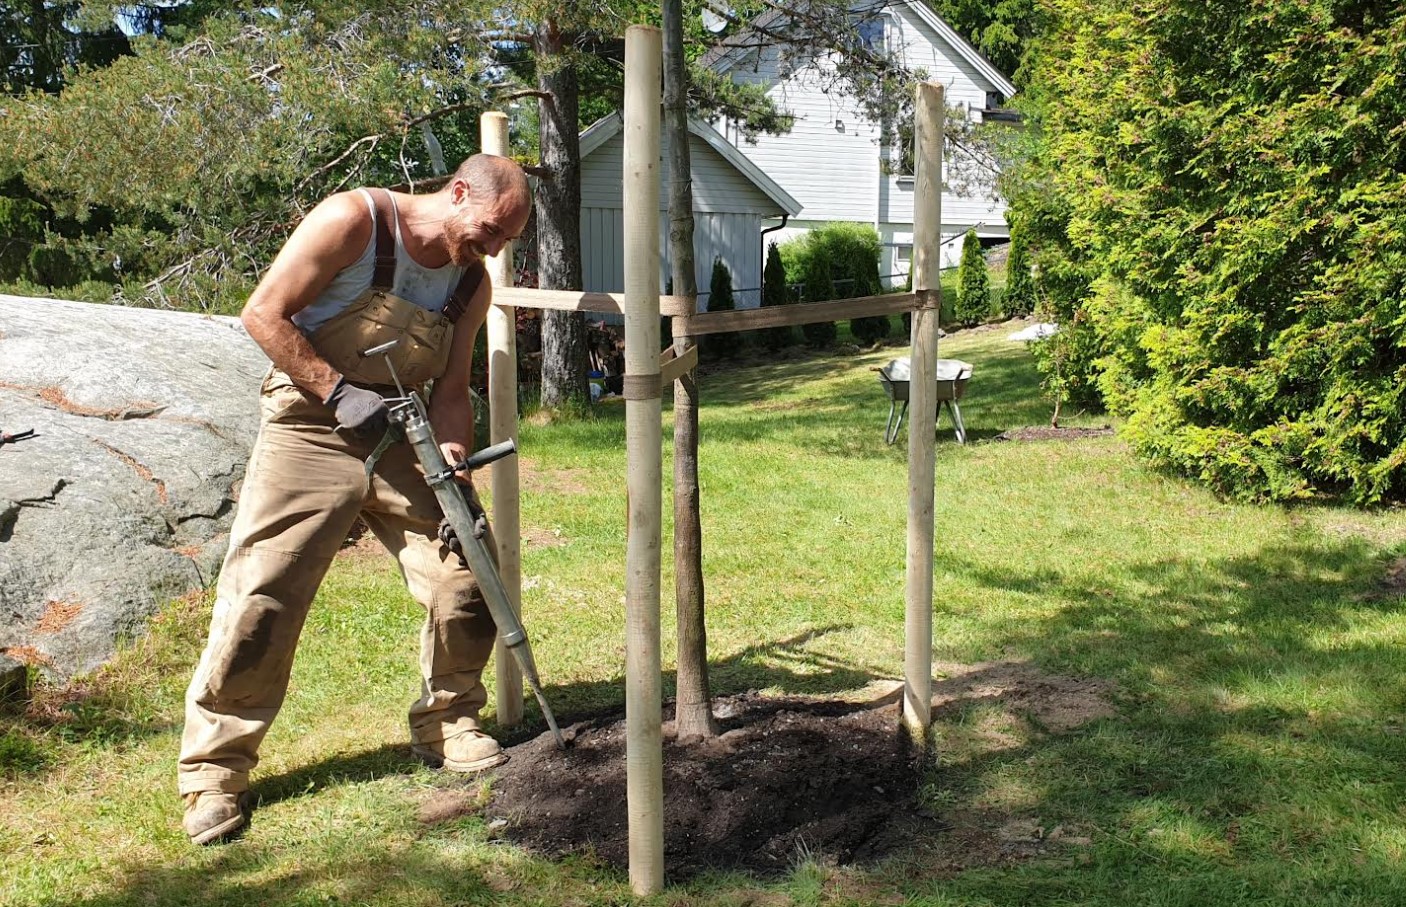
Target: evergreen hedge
1019, 298
1221, 229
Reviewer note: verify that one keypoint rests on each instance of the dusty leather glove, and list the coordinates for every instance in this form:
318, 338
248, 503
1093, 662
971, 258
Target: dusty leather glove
450, 538
362, 412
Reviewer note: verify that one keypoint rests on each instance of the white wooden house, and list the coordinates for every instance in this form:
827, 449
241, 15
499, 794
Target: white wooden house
833, 160
734, 202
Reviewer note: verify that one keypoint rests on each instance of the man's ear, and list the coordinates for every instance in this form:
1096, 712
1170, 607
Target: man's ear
459, 191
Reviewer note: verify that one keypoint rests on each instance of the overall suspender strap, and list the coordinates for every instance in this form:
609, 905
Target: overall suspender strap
383, 277
464, 293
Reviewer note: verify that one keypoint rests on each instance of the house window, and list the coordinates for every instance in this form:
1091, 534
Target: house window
871, 33
902, 263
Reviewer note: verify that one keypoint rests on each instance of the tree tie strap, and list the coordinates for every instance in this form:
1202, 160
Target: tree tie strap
642, 387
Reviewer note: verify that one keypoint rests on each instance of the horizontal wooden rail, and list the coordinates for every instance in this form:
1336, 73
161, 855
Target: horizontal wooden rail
801, 313
578, 301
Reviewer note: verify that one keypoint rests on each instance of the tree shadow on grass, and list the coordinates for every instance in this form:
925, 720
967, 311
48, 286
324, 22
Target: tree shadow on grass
238, 877
1259, 741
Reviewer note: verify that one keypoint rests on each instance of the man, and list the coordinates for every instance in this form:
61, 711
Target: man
363, 268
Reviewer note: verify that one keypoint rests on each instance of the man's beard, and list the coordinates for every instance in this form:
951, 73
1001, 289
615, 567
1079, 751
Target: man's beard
462, 251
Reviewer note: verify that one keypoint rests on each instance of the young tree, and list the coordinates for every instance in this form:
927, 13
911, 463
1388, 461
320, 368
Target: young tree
973, 283
693, 704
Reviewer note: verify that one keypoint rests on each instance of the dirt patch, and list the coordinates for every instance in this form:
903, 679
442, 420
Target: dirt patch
533, 478
785, 780
543, 538
1056, 703
798, 779
1050, 433
56, 616
1394, 582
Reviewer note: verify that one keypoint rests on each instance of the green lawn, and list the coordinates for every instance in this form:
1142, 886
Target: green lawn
1253, 752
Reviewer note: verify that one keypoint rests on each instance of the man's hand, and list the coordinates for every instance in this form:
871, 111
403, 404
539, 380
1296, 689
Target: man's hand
456, 452
362, 412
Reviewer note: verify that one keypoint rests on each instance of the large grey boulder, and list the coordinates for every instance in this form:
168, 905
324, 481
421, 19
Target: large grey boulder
143, 421
14, 681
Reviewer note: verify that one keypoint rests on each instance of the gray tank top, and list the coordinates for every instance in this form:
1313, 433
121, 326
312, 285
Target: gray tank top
428, 288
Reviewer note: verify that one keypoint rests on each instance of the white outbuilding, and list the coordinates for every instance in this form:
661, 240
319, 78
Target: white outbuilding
734, 205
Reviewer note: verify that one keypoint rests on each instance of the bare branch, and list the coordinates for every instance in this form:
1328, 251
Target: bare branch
526, 93
273, 70
373, 139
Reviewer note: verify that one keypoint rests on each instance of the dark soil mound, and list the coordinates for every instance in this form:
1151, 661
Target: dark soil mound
787, 779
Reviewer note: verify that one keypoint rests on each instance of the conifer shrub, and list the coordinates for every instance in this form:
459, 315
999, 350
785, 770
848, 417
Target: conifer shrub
836, 261
973, 283
774, 293
1019, 298
720, 299
1223, 246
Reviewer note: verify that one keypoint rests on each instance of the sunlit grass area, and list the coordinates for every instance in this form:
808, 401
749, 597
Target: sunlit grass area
1251, 661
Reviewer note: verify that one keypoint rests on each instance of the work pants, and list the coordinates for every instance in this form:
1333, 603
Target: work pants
304, 487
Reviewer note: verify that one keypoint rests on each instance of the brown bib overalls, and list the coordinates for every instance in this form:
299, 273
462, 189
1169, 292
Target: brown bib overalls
304, 487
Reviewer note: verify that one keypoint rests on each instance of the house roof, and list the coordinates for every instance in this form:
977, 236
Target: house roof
607, 127
724, 56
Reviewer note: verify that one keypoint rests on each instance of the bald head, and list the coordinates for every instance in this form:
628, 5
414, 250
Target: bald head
486, 205
498, 178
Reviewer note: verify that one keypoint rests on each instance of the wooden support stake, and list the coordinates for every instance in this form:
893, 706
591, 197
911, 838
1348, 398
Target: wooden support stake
502, 413
644, 755
922, 427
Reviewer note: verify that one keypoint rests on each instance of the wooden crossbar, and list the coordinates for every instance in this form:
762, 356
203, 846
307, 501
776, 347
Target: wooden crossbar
578, 301
672, 366
801, 313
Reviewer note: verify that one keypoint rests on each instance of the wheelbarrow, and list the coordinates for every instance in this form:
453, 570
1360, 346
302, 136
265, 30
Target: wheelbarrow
952, 378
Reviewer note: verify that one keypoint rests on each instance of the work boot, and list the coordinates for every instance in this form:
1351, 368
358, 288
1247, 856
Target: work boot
212, 815
466, 751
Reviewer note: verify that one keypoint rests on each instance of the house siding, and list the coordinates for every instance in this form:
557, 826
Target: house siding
830, 161
729, 214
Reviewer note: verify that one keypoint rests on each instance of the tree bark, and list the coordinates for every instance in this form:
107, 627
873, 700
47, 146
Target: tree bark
693, 703
558, 209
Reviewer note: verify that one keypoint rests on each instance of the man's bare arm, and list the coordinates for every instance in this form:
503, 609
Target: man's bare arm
451, 407
330, 238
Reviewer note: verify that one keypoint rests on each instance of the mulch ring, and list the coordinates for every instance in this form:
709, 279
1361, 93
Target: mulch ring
786, 779
1048, 433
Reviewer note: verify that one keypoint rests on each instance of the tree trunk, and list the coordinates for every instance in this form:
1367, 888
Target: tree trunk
693, 704
558, 208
